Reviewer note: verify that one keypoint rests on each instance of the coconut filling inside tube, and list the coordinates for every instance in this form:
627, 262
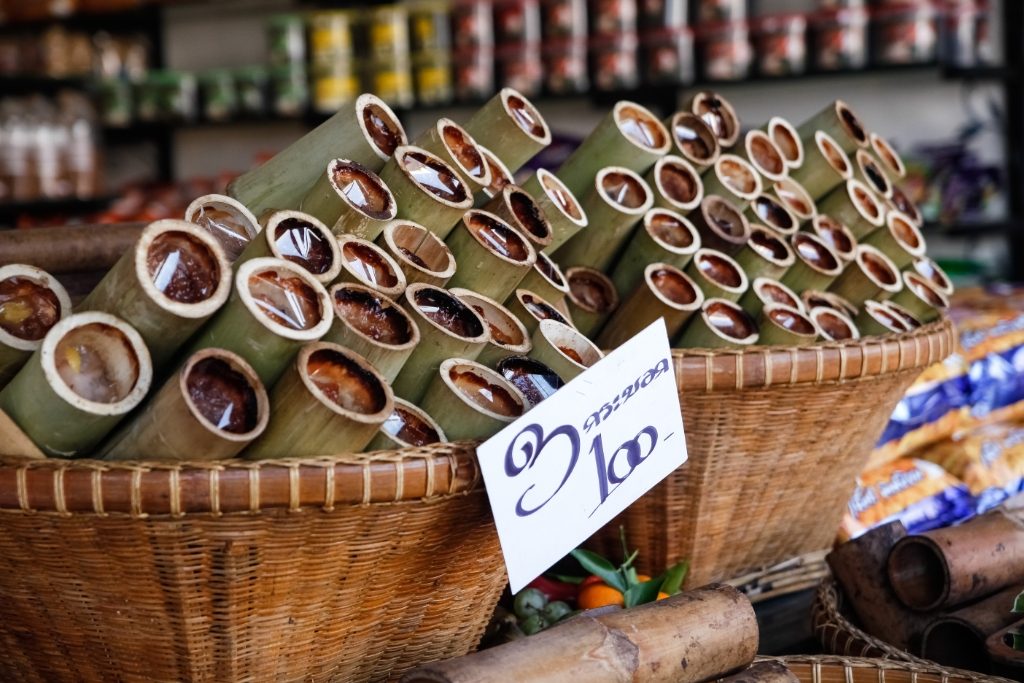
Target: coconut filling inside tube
538, 308
363, 190
719, 270
776, 293
303, 244
368, 264
384, 132
285, 299
527, 118
448, 313
422, 248
530, 216
434, 177
498, 237
695, 139
407, 426
730, 320
374, 317
678, 182
223, 396
28, 309
227, 224
773, 214
624, 190
345, 383
561, 196
97, 362
535, 380
718, 115
491, 397
466, 153
641, 127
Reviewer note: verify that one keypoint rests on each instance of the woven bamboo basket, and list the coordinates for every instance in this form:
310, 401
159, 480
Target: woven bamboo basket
776, 437
349, 568
840, 636
830, 669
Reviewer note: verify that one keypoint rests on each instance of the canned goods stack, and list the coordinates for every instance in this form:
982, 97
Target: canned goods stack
613, 44
564, 52
431, 40
517, 45
286, 41
335, 77
723, 39
472, 49
667, 42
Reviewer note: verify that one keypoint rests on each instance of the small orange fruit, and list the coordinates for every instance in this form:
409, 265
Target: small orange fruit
642, 578
589, 581
662, 596
598, 595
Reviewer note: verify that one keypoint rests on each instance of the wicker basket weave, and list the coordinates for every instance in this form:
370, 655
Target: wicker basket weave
829, 669
838, 635
776, 437
351, 568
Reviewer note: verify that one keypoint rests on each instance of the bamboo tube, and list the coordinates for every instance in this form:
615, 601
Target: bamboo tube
773, 214
826, 167
816, 265
500, 176
426, 189
275, 308
859, 567
350, 199
546, 279
765, 290
329, 401
592, 299
766, 254
530, 308
493, 256
835, 326
902, 203
958, 639
535, 380
814, 298
663, 236
763, 672
448, 329
839, 121
456, 146
927, 268
229, 221
854, 205
733, 178
717, 275
764, 155
665, 292
69, 249
787, 140
374, 326
511, 127
947, 567
366, 132
629, 137
871, 275
836, 236
564, 213
781, 325
920, 297
676, 184
300, 238
719, 114
699, 635
564, 349
90, 371
617, 199
875, 320
166, 287
509, 336
891, 161
471, 401
364, 263
31, 302
421, 255
910, 321
407, 427
721, 225
1003, 653
721, 324
516, 207
867, 170
693, 139
210, 409
794, 197
899, 239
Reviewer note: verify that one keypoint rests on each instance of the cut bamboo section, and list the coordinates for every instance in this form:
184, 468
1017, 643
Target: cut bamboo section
764, 155
426, 189
717, 274
16, 442
890, 159
407, 427
816, 265
772, 213
721, 225
787, 140
663, 236
733, 178
794, 197
781, 325
814, 298
530, 308
229, 221
854, 205
665, 292
546, 279
676, 184
91, 370
592, 299
876, 319
509, 336
564, 349
364, 263
560, 206
210, 409
958, 639
535, 380
493, 256
471, 401
517, 207
765, 290
511, 127
330, 401
839, 121
693, 139
835, 326
721, 324
766, 254
826, 167
719, 114
920, 297
500, 176
872, 275
868, 170
300, 238
420, 254
366, 132
836, 235
902, 203
456, 146
899, 239
350, 199
31, 302
927, 268
911, 322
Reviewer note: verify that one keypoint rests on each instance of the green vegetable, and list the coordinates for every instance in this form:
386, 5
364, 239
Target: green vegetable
528, 603
642, 593
674, 578
598, 566
556, 611
533, 624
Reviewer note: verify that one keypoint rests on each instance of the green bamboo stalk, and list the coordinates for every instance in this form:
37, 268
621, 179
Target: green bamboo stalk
350, 199
732, 178
415, 201
226, 219
834, 325
836, 235
663, 236
171, 426
366, 132
891, 160
500, 177
165, 293
766, 254
511, 127
665, 292
546, 279
781, 325
773, 214
794, 197
764, 155
869, 171
825, 167
313, 248
364, 263
718, 113
765, 290
457, 412
920, 297
787, 139
476, 243
244, 327
530, 308
592, 299
612, 222
518, 208
307, 421
702, 333
876, 320
899, 239
816, 265
456, 146
693, 139
509, 336
422, 255
60, 421
407, 427
564, 349
872, 275
564, 213
630, 136
839, 121
676, 184
929, 269
25, 314
717, 274
815, 298
720, 224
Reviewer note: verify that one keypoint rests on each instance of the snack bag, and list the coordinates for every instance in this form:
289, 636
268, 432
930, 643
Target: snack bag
989, 460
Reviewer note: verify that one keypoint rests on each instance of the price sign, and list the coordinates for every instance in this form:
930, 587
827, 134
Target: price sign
566, 468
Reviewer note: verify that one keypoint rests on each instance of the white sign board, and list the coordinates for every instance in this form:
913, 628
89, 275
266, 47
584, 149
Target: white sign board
562, 471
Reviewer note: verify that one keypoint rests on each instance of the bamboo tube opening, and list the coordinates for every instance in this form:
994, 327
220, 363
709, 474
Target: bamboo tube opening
814, 298
374, 317
918, 574
836, 235
97, 363
380, 125
433, 176
31, 303
345, 383
815, 253
591, 290
765, 155
773, 214
298, 237
738, 175
906, 233
529, 217
182, 268
892, 161
721, 270
834, 325
284, 298
929, 269
499, 238
730, 322
902, 203
230, 223
925, 290
464, 151
872, 174
694, 139
641, 127
550, 271
955, 644
561, 197
500, 175
535, 380
538, 307
570, 343
671, 231
879, 268
225, 395
719, 115
483, 389
910, 321
420, 249
370, 265
411, 427
833, 154
725, 221
624, 190
791, 320
771, 291
526, 116
362, 190
771, 247
883, 316
445, 312
678, 182
794, 197
851, 123
506, 330
787, 140
673, 287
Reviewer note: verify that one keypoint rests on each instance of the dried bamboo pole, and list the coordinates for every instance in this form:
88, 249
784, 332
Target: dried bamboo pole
366, 132
364, 263
350, 199
31, 302
509, 336
407, 427
836, 235
456, 146
693, 139
718, 113
68, 249
787, 139
493, 256
592, 299
764, 155
564, 349
535, 380
329, 401
511, 127
872, 275
426, 189
173, 280
839, 121
868, 170
794, 197
772, 213
927, 268
517, 207
676, 184
420, 254
546, 279
834, 325
892, 161
300, 238
210, 409
665, 292
816, 265
471, 401
826, 167
90, 371
920, 297
764, 291
876, 319
766, 254
781, 325
718, 275
721, 225
663, 236
899, 239
530, 308
733, 178
564, 213
229, 221
958, 639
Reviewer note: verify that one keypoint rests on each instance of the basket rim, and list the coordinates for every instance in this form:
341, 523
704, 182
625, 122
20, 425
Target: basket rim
847, 663
766, 366
143, 489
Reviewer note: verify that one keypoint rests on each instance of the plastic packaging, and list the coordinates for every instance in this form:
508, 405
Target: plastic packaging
839, 39
989, 460
780, 44
904, 33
